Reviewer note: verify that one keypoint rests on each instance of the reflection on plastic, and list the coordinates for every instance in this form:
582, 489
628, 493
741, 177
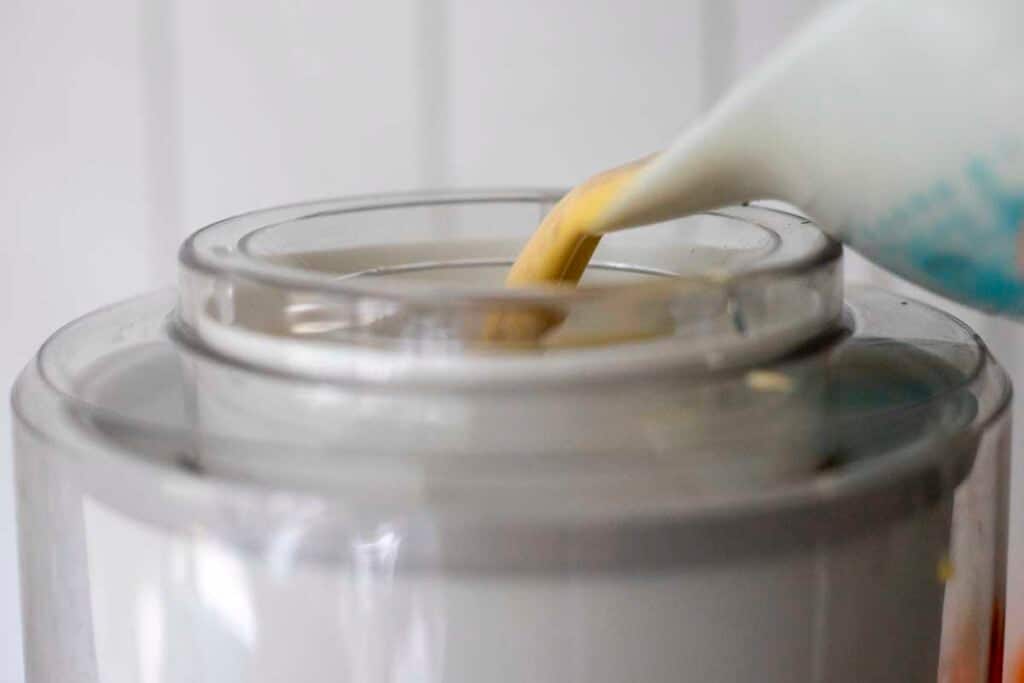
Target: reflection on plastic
151, 635
224, 589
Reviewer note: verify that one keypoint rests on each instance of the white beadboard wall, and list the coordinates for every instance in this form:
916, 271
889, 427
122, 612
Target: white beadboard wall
127, 124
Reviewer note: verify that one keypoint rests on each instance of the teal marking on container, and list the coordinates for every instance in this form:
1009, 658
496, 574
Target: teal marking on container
960, 240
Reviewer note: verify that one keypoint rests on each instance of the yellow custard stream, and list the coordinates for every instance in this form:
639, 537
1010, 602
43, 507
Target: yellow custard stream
559, 251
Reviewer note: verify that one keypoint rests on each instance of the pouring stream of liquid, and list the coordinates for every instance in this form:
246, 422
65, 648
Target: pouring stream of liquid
559, 251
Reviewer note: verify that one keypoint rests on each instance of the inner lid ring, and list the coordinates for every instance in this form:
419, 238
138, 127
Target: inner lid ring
247, 280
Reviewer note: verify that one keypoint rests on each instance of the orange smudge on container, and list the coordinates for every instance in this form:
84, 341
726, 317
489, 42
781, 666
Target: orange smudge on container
965, 665
996, 647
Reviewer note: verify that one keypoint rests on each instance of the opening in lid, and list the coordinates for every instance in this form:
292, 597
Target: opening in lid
420, 276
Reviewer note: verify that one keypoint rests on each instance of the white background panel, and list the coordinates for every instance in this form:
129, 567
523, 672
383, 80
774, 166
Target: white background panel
281, 101
544, 93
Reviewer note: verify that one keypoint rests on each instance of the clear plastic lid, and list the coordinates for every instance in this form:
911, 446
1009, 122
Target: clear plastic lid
405, 284
715, 374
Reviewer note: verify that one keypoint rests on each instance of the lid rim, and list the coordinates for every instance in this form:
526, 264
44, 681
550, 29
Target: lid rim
244, 268
849, 483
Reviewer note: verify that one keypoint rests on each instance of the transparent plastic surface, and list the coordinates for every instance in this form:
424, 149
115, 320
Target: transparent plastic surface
282, 288
254, 479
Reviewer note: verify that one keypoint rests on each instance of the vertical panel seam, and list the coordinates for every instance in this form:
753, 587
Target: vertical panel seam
162, 137
433, 104
718, 49
433, 74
